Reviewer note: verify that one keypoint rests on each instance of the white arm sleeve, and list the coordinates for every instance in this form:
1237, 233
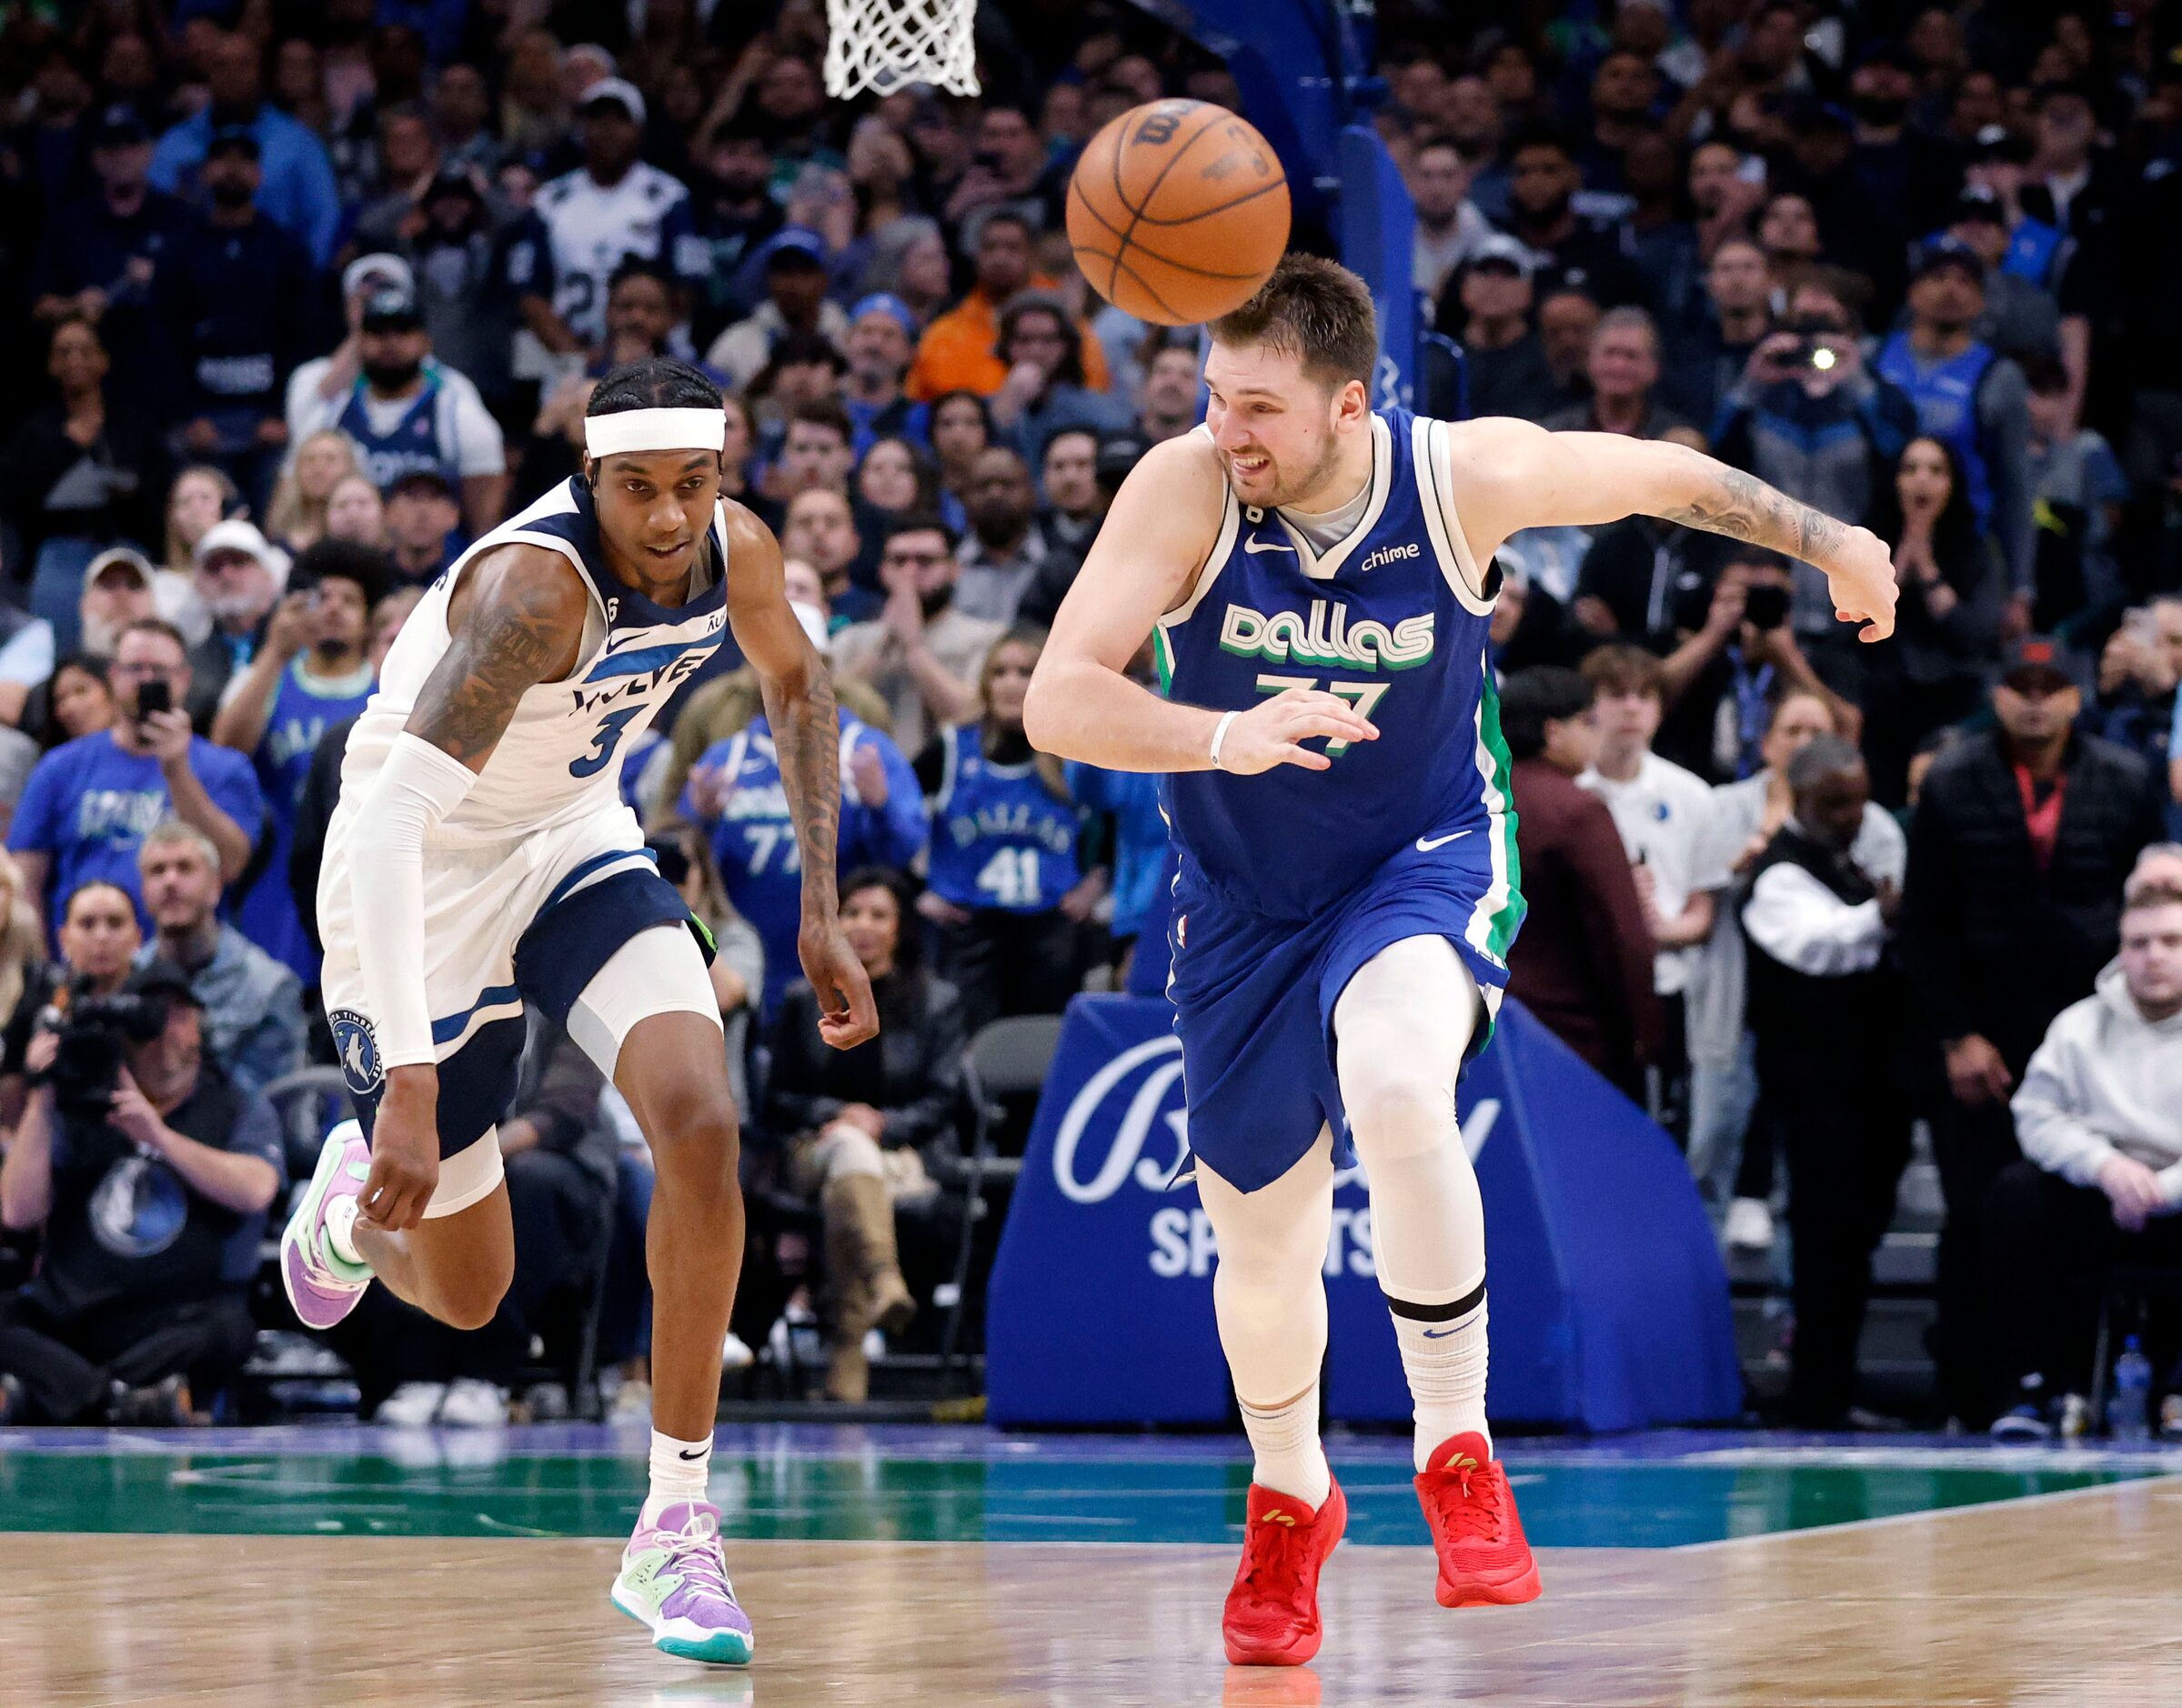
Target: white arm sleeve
418, 787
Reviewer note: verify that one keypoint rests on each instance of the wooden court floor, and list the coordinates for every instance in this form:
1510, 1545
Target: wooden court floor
2067, 1600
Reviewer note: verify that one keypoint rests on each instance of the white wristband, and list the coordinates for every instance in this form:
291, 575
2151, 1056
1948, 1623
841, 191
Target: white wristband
1220, 734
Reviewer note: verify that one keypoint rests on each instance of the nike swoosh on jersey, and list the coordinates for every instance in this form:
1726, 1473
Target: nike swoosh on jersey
1265, 544
1426, 845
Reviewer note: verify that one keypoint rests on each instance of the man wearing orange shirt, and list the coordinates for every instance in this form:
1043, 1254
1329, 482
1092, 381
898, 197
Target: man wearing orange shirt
960, 350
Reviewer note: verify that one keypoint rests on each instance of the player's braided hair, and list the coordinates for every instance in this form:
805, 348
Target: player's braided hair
658, 382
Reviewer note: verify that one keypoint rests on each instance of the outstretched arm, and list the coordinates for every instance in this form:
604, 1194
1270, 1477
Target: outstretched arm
1508, 476
806, 736
1082, 704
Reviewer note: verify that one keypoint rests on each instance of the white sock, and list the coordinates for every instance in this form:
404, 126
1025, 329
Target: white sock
1284, 1439
1444, 1361
679, 1472
340, 1229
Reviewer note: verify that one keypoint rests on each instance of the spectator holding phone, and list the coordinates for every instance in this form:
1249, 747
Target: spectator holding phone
90, 801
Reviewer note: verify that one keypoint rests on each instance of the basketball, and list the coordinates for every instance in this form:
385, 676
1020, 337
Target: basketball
1177, 211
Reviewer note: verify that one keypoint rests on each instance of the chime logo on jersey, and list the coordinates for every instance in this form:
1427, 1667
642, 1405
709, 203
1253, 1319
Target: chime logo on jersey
1325, 635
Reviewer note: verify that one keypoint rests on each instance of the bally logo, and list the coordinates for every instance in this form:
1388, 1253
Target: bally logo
1389, 554
1324, 635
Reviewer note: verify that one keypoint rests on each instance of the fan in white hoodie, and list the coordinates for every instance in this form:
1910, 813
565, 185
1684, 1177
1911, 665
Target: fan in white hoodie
2101, 1101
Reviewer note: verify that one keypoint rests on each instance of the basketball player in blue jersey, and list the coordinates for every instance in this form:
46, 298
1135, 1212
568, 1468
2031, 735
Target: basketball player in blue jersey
481, 858
1317, 578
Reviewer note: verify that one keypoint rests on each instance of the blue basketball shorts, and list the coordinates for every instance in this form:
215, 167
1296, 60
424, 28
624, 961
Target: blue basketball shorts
1254, 997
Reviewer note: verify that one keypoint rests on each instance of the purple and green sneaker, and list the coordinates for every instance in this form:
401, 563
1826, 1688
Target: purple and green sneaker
674, 1580
323, 1285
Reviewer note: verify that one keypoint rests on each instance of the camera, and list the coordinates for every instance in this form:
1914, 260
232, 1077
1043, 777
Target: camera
1765, 606
92, 1032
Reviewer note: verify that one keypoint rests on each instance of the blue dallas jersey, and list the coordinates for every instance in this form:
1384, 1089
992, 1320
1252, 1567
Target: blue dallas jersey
754, 842
422, 438
303, 709
1394, 620
1000, 838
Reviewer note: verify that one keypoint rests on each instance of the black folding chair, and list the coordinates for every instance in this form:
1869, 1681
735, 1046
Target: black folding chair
1007, 1058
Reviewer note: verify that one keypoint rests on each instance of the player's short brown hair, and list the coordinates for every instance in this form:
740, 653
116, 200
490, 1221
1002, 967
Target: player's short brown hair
1623, 669
1317, 309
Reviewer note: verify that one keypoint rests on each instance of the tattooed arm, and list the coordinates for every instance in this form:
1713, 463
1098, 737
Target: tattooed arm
1507, 476
807, 737
516, 619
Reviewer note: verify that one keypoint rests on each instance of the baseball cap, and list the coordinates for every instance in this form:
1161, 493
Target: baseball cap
423, 481
163, 978
234, 534
453, 178
1507, 252
885, 303
1947, 251
387, 269
2035, 661
230, 139
120, 558
391, 308
793, 246
620, 92
1979, 202
119, 126
1997, 142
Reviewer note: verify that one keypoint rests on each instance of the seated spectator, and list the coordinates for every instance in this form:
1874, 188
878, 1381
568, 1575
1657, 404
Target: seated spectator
796, 301
407, 412
296, 516
253, 1005
1947, 625
356, 512
1008, 548
920, 653
961, 430
1645, 581
896, 478
1167, 405
959, 351
2100, 1117
92, 800
311, 673
83, 472
1718, 683
200, 497
1004, 886
2135, 704
881, 344
814, 453
734, 796
456, 247
1488, 311
424, 519
1573, 249
1822, 997
1584, 966
2021, 842
119, 588
79, 701
152, 1193
1044, 392
239, 574
820, 529
857, 1123
1068, 481
1623, 366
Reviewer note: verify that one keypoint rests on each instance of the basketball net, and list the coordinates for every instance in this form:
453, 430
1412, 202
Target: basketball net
888, 44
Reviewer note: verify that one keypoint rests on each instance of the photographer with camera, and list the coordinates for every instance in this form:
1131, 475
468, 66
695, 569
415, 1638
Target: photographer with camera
90, 802
98, 942
151, 1173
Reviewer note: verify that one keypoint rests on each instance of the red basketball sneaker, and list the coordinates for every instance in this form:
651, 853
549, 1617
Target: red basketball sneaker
1271, 1617
1485, 1561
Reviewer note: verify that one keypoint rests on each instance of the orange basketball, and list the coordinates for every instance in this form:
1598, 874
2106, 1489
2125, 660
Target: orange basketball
1177, 211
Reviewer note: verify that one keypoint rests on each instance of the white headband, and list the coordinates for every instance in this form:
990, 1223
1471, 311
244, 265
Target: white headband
634, 430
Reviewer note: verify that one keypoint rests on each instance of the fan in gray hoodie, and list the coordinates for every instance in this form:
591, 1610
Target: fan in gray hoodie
2101, 1101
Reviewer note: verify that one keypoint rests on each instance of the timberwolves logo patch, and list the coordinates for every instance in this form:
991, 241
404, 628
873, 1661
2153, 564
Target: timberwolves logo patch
356, 1045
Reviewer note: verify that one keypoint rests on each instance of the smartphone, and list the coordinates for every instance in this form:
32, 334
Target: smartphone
1765, 606
152, 697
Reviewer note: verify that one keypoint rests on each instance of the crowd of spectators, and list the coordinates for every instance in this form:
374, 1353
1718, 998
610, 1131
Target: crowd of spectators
318, 294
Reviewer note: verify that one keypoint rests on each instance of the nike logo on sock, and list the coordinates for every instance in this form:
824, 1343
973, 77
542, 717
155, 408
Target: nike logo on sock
700, 1454
1425, 845
1265, 544
1440, 1334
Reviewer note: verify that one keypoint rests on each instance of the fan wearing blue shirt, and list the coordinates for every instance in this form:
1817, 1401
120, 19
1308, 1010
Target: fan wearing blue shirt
91, 801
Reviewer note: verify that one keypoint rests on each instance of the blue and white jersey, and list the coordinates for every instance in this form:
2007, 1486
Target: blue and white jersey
1000, 838
593, 228
754, 842
304, 709
1394, 620
422, 436
559, 761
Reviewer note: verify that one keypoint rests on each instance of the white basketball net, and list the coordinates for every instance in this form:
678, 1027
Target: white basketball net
888, 44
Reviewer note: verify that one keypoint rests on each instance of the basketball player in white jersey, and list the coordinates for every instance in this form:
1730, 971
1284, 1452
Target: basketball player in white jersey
1317, 577
481, 860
